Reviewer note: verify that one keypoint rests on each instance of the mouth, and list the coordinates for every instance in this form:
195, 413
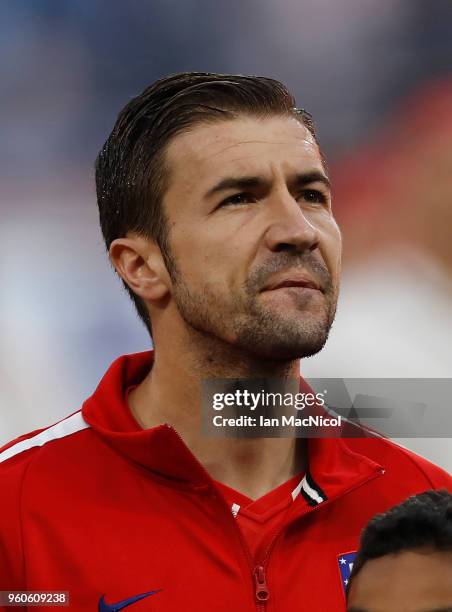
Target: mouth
303, 282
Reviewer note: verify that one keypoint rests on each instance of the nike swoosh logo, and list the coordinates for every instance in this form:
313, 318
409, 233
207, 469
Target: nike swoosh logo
115, 607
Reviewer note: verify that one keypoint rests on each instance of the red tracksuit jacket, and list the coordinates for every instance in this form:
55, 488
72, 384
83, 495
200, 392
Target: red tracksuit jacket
107, 512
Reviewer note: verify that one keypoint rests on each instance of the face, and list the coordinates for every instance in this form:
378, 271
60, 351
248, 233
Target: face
412, 581
255, 249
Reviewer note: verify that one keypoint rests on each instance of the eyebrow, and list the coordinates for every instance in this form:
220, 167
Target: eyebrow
252, 182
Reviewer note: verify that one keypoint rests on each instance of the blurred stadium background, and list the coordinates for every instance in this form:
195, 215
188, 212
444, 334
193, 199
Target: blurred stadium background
377, 77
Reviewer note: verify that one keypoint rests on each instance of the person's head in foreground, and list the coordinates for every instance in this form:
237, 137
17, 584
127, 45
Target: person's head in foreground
405, 559
215, 206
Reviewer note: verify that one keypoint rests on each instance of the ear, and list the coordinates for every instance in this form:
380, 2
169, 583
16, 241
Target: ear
139, 262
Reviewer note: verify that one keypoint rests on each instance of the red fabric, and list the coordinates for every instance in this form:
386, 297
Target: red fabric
111, 510
260, 519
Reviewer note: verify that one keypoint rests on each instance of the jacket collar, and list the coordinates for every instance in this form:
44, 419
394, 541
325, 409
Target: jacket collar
333, 466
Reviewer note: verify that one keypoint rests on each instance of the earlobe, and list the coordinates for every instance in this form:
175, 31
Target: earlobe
138, 261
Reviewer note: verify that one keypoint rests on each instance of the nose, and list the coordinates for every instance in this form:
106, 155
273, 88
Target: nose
290, 229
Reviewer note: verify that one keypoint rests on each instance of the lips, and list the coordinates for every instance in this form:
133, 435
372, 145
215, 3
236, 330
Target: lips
292, 281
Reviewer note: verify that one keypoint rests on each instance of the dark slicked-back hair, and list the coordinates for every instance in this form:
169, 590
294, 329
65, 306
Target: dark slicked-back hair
131, 177
423, 521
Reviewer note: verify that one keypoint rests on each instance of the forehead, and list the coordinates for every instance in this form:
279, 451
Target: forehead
243, 145
415, 581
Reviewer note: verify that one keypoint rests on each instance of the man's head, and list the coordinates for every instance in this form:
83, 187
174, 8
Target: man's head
212, 193
405, 559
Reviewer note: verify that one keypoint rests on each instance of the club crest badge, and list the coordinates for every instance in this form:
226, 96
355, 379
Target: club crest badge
345, 563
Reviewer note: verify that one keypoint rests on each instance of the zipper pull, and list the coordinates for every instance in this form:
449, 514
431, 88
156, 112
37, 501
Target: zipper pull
262, 592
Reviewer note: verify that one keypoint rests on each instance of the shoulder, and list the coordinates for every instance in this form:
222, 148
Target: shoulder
401, 463
16, 459
16, 455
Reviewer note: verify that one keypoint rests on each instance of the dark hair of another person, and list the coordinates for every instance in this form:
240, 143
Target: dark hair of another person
131, 176
423, 521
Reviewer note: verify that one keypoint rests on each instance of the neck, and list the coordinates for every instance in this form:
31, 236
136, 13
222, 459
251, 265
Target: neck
171, 393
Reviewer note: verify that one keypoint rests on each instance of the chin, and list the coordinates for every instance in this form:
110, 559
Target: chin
271, 337
285, 348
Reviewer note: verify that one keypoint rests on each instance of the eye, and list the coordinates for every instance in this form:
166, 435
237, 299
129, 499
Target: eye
237, 199
314, 196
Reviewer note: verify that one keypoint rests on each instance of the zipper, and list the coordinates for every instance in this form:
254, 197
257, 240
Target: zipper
261, 589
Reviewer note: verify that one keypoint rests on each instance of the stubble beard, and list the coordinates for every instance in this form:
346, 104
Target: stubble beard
245, 322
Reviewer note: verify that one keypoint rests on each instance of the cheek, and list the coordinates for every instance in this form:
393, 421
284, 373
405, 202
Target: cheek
331, 248
201, 258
